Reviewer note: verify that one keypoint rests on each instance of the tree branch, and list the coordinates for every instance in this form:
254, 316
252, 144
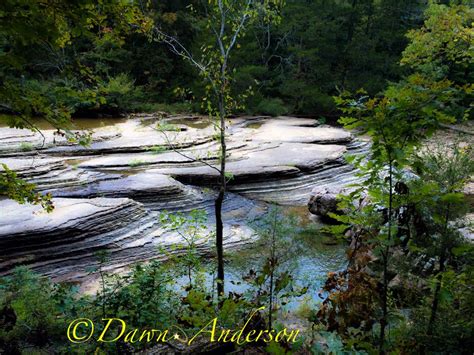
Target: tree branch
176, 150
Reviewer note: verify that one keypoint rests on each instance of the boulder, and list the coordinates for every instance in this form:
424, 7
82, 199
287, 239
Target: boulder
323, 200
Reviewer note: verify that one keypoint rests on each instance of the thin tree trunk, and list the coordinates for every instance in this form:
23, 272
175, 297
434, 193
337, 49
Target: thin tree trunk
219, 242
270, 311
434, 305
369, 19
273, 263
350, 35
220, 198
383, 320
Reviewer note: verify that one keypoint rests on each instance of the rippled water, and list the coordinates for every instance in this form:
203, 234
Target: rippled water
308, 260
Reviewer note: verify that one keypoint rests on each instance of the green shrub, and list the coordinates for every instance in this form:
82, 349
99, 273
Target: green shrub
32, 310
173, 108
272, 106
26, 147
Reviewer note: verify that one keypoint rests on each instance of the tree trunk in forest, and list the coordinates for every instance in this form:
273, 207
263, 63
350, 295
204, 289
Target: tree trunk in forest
350, 35
219, 243
434, 305
383, 320
220, 197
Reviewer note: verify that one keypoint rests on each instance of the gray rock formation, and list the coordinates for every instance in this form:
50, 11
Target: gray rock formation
107, 194
63, 244
73, 231
324, 200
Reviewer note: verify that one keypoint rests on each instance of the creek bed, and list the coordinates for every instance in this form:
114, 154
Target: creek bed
129, 175
309, 261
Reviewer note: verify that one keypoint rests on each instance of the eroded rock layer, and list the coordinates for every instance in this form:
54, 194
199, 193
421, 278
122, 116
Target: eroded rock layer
108, 195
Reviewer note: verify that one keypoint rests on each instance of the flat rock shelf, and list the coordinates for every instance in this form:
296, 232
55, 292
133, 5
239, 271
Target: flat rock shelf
109, 194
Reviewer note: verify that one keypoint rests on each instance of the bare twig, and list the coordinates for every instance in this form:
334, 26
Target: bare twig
176, 150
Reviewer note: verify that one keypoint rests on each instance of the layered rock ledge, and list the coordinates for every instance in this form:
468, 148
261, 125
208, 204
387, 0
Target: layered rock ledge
108, 195
64, 243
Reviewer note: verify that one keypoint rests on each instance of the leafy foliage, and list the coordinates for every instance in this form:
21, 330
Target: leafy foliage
21, 191
401, 208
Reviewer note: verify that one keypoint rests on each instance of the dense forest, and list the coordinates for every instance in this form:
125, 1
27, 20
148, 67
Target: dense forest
296, 66
228, 116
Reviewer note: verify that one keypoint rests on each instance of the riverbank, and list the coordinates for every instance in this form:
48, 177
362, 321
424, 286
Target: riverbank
109, 194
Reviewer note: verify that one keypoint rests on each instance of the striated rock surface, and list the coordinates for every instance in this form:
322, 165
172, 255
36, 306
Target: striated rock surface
277, 161
63, 244
108, 195
49, 173
467, 227
17, 142
136, 136
75, 229
299, 130
141, 186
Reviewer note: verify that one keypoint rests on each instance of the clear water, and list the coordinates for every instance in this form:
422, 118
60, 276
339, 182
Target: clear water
309, 259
